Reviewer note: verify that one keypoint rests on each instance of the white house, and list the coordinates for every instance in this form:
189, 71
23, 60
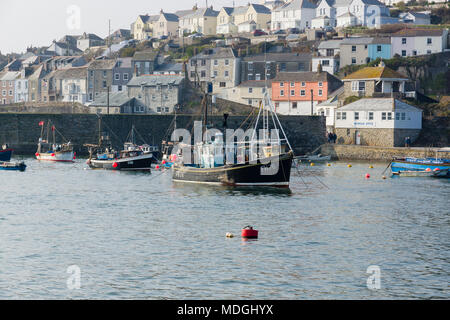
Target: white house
202, 20
369, 13
384, 122
295, 14
21, 87
415, 18
327, 56
346, 20
325, 8
413, 42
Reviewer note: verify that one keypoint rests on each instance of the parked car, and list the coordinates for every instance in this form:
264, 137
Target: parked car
328, 29
259, 32
279, 32
293, 30
195, 35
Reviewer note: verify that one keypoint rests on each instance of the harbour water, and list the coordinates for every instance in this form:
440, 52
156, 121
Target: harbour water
139, 236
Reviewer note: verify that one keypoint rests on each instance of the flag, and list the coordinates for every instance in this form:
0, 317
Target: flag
41, 123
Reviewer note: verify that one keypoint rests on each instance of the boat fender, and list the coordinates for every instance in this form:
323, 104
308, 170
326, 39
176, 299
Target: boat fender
249, 233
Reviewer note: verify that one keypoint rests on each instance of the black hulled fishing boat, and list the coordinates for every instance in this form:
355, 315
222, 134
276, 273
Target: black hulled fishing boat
256, 162
6, 153
133, 157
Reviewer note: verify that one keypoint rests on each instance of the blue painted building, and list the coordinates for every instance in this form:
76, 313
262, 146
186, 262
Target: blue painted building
380, 48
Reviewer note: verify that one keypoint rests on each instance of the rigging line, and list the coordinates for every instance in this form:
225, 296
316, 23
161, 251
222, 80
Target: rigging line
300, 176
120, 140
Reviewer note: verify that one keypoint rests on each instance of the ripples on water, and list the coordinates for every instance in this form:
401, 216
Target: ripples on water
138, 236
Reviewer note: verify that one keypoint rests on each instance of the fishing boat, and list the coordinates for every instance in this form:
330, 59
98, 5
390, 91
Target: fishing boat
425, 173
133, 157
423, 164
6, 153
13, 166
55, 152
258, 162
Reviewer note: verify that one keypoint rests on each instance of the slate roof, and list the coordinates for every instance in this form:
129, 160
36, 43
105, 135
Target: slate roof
374, 73
296, 4
145, 55
330, 44
379, 104
153, 80
356, 40
204, 12
278, 57
104, 64
116, 99
259, 8
171, 17
71, 73
306, 76
256, 83
10, 76
418, 33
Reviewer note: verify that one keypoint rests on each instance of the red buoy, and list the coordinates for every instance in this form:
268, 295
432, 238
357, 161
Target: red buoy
36, 154
249, 233
115, 165
164, 162
157, 167
53, 154
367, 176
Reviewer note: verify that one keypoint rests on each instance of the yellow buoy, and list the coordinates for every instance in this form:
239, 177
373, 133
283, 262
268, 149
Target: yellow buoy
349, 166
329, 165
312, 164
371, 167
230, 235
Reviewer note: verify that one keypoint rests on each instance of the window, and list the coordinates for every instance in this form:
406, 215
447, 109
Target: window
353, 60
92, 73
383, 116
414, 52
344, 115
282, 93
303, 84
250, 90
250, 102
353, 48
294, 105
403, 40
227, 73
320, 92
104, 74
302, 93
429, 41
203, 74
104, 85
4, 93
283, 66
223, 84
403, 116
403, 53
292, 84
370, 115
320, 84
203, 62
250, 66
358, 86
397, 116
362, 86
389, 116
338, 116
227, 62
428, 51
216, 62
193, 63
281, 84
119, 88
10, 93
153, 97
325, 62
378, 48
258, 76
356, 115
4, 83
192, 74
292, 92
117, 76
125, 76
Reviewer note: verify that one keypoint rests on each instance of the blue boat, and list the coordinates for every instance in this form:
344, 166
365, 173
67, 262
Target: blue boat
13, 166
421, 164
5, 153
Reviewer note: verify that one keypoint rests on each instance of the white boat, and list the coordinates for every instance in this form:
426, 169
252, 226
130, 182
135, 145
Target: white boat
54, 152
424, 173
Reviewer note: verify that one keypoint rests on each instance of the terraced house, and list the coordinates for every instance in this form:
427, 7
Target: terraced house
100, 77
202, 20
230, 20
295, 14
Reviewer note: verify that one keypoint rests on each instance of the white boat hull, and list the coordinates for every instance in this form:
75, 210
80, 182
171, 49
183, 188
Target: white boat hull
56, 156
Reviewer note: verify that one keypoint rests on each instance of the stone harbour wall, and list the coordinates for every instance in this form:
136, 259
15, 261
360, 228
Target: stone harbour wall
22, 131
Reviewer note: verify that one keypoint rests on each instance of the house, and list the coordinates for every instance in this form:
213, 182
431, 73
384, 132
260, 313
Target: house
346, 20
63, 49
247, 26
8, 86
100, 77
369, 13
170, 68
325, 12
144, 62
159, 93
414, 42
379, 81
328, 56
380, 47
250, 92
415, 18
89, 40
120, 35
229, 19
142, 27
122, 73
118, 103
219, 66
258, 66
34, 84
299, 93
165, 25
203, 20
354, 51
294, 14
72, 84
61, 62
384, 122
272, 4
321, 22
328, 108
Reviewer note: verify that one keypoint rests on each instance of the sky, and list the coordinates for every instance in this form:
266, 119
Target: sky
38, 23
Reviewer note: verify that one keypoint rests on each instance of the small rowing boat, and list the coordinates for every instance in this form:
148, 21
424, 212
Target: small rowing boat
424, 173
13, 166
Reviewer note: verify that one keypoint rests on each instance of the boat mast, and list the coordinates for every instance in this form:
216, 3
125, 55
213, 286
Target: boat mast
99, 131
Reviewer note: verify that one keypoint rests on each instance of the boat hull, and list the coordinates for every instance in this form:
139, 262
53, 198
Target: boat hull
237, 175
5, 155
140, 163
56, 156
403, 165
9, 166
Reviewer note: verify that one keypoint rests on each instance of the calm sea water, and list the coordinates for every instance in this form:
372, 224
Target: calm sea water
139, 236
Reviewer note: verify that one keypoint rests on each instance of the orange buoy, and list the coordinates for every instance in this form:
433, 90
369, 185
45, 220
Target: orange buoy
428, 170
249, 233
